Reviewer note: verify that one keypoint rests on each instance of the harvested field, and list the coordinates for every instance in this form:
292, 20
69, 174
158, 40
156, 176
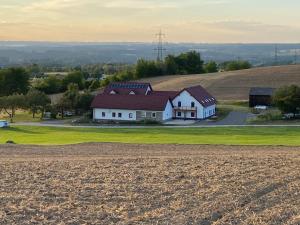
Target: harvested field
232, 85
149, 184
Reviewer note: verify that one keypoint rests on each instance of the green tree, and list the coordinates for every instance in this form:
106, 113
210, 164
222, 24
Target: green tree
75, 78
72, 95
94, 85
13, 81
145, 68
235, 65
62, 105
211, 67
37, 101
48, 85
84, 101
190, 63
287, 99
171, 65
9, 104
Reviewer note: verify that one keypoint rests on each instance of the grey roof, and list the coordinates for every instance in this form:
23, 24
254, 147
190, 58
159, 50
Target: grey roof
262, 91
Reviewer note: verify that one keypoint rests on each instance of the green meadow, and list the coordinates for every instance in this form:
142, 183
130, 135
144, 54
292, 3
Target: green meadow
289, 136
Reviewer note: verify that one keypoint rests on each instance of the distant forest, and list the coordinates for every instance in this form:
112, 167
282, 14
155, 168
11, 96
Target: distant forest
61, 55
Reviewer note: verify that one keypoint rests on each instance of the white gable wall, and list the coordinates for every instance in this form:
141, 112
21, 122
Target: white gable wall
186, 99
168, 113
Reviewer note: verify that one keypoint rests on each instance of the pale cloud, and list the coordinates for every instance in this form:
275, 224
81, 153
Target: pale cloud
139, 20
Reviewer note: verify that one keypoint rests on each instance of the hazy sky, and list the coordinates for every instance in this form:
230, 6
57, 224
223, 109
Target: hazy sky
226, 21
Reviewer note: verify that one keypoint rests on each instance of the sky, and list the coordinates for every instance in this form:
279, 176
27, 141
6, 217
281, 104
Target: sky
197, 21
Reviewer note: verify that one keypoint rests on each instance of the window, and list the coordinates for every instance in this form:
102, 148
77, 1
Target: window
113, 114
179, 104
193, 104
120, 115
192, 114
130, 115
144, 114
103, 114
179, 114
153, 115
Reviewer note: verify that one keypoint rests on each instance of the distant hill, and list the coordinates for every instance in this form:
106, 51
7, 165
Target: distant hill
232, 85
55, 54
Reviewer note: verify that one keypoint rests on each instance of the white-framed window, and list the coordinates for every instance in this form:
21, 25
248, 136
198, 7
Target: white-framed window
179, 104
114, 114
103, 114
144, 114
192, 114
179, 114
154, 115
120, 115
193, 104
130, 115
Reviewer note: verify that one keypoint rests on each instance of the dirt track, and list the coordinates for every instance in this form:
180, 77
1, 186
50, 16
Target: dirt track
149, 184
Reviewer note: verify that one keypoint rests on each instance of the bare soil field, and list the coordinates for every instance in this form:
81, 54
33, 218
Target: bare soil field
149, 184
232, 85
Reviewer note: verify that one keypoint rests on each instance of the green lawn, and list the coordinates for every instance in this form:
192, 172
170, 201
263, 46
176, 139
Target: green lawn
22, 116
227, 136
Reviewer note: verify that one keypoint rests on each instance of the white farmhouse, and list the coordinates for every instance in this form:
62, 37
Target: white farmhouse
130, 101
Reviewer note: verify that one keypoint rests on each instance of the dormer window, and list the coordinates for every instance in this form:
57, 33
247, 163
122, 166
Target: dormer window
132, 93
113, 92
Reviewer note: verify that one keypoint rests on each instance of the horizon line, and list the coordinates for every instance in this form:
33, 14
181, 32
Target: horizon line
146, 42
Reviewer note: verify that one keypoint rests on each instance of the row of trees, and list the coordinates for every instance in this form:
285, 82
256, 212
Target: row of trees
54, 84
185, 63
34, 100
38, 102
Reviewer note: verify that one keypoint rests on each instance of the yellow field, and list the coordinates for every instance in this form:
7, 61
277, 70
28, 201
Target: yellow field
232, 85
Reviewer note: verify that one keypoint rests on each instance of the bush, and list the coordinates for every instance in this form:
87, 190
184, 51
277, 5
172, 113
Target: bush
235, 65
287, 99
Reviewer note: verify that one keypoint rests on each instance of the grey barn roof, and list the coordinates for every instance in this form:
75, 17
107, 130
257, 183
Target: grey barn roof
262, 91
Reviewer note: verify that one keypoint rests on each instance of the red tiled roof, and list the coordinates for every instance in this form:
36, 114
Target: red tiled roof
170, 94
124, 88
130, 102
201, 95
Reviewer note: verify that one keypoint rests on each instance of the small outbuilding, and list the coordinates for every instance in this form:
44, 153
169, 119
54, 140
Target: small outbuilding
260, 96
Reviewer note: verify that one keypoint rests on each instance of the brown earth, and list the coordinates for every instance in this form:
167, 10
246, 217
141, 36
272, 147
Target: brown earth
232, 85
149, 184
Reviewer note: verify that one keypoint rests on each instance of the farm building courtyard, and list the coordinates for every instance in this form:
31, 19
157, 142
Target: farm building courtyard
149, 184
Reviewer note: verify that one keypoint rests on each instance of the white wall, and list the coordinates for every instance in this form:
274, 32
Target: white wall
108, 114
210, 111
186, 99
168, 113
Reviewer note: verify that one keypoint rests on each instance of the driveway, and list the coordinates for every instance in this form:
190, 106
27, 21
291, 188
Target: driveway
233, 118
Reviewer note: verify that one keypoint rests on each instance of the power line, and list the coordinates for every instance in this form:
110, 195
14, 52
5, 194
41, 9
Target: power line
160, 48
276, 55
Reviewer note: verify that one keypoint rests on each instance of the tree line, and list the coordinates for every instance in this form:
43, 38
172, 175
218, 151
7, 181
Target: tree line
17, 92
184, 63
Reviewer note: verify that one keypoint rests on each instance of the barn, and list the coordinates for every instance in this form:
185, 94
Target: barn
260, 96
